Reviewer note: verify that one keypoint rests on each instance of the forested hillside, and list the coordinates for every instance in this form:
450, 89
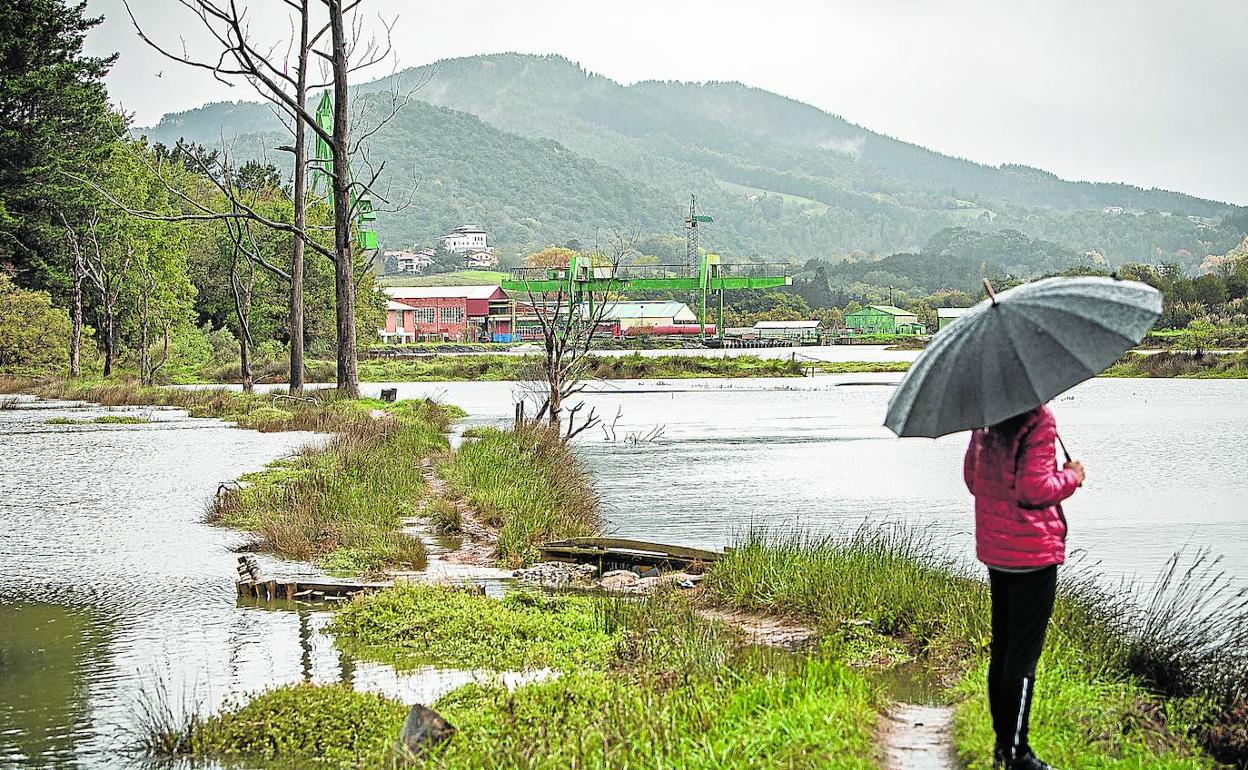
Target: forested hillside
784, 180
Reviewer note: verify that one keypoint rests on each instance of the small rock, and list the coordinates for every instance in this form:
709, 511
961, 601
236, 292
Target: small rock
618, 580
423, 728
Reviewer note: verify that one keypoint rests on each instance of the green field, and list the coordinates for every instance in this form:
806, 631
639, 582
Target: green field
457, 278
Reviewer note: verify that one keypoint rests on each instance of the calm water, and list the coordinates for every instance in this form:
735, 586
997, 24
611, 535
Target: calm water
109, 583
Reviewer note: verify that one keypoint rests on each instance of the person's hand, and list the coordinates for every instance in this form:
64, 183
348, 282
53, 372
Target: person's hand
1077, 467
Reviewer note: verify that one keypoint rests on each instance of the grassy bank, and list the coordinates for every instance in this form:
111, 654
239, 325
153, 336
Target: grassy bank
527, 485
1213, 366
640, 684
496, 367
339, 505
1125, 684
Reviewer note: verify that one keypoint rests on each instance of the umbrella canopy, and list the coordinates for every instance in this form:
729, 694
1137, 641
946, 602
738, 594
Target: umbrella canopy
1016, 351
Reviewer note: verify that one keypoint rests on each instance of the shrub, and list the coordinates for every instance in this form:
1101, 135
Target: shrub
34, 334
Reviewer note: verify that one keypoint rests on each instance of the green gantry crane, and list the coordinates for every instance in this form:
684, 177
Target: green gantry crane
365, 215
581, 279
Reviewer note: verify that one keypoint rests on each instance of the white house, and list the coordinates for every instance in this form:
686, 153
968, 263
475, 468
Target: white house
412, 261
480, 260
464, 239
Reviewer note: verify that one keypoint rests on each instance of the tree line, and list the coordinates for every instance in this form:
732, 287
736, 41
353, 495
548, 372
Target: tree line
154, 248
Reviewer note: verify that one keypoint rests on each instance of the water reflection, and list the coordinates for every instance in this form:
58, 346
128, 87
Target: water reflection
46, 654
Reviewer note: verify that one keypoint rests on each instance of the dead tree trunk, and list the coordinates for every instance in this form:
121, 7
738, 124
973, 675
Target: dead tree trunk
300, 200
344, 278
78, 275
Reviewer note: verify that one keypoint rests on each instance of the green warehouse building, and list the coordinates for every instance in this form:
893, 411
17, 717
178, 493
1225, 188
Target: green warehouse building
883, 319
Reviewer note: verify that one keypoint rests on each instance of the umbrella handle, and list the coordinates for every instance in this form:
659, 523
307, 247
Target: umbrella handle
992, 295
1062, 444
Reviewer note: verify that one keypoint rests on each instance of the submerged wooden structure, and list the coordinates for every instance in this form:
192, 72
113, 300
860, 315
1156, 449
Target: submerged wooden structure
252, 583
619, 553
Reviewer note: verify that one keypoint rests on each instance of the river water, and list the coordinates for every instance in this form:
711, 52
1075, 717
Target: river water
111, 587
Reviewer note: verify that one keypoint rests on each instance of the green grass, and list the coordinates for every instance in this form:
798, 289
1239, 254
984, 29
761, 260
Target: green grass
527, 485
858, 367
108, 419
643, 684
1081, 720
891, 577
455, 278
340, 505
805, 713
447, 627
1126, 675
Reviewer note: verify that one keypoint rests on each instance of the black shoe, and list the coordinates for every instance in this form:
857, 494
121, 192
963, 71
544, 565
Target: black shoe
998, 758
1028, 761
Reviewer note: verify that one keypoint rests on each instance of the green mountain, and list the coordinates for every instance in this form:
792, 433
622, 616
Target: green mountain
556, 153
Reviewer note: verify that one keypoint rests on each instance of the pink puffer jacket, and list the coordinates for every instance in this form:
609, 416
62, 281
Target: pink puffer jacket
1018, 492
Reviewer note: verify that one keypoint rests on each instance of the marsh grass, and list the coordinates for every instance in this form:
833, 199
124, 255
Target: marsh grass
341, 504
161, 726
896, 578
493, 367
108, 419
1170, 658
1181, 364
643, 682
449, 627
528, 485
331, 725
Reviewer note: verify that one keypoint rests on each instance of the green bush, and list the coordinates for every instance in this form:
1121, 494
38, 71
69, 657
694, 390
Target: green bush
306, 722
34, 334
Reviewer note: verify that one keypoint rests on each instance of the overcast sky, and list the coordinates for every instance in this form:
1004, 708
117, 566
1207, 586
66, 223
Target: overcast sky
1141, 91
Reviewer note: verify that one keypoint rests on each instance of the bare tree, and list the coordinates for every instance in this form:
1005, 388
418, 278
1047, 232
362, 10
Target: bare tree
242, 280
78, 274
569, 318
107, 278
241, 57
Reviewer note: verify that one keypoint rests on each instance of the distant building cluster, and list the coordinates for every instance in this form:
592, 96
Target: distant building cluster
488, 314
469, 242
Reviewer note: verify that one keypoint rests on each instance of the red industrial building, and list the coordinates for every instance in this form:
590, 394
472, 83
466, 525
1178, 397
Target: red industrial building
459, 313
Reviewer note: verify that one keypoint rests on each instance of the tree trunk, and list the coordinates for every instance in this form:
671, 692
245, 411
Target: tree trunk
244, 365
143, 344
299, 193
110, 336
344, 274
75, 339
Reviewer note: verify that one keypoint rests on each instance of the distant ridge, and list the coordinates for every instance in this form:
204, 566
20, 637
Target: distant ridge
553, 152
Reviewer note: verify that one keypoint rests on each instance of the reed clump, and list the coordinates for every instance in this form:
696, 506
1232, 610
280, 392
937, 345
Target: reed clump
528, 485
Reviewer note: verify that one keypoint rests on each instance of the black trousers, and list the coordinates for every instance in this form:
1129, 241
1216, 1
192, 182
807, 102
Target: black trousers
1022, 603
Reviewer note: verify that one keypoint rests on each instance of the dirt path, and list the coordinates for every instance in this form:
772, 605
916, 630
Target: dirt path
914, 737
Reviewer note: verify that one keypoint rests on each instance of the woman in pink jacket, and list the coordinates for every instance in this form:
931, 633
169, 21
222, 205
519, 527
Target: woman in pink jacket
1020, 534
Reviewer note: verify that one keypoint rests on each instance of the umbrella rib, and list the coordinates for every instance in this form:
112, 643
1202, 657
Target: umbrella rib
1009, 332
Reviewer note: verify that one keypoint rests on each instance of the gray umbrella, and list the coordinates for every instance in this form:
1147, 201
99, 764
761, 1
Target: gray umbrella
1019, 349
